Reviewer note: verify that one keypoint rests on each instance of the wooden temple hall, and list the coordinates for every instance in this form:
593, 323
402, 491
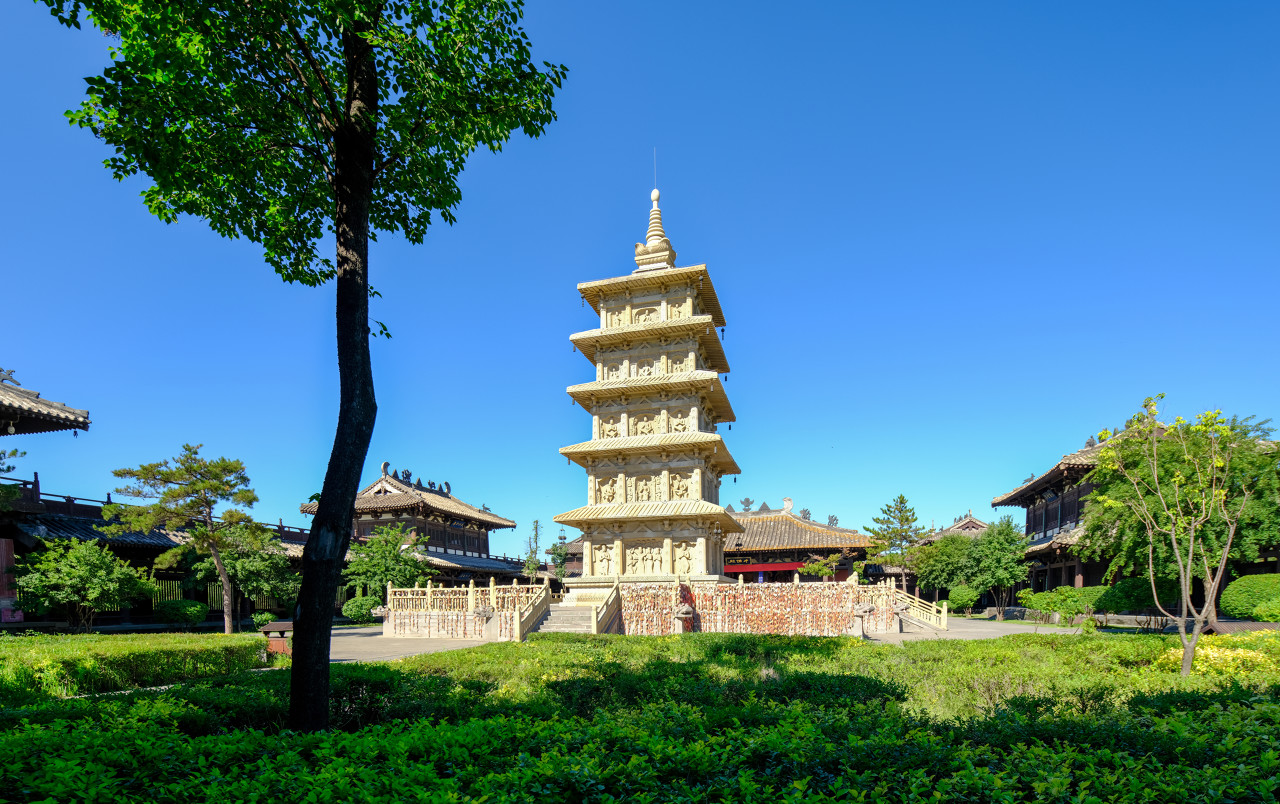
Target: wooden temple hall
23, 411
455, 533
1054, 504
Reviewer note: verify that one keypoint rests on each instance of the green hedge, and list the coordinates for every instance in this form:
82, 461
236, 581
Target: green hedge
1243, 595
1268, 611
181, 612
35, 668
1222, 749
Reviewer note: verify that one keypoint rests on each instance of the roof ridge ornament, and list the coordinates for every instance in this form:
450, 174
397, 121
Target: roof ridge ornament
655, 253
7, 376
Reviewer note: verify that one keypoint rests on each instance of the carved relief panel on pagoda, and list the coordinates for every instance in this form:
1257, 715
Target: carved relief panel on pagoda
652, 307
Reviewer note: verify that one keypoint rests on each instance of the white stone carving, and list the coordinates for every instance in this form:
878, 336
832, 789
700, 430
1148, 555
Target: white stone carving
645, 368
644, 488
679, 421
603, 559
613, 371
684, 558
645, 315
609, 427
605, 491
680, 486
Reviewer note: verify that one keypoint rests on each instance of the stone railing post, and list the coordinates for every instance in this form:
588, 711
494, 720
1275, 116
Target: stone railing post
471, 595
796, 581
944, 615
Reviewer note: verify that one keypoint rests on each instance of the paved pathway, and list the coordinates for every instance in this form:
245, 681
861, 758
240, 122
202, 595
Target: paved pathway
367, 644
962, 628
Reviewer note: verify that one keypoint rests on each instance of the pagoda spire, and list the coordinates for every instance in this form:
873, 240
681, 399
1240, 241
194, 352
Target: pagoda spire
655, 252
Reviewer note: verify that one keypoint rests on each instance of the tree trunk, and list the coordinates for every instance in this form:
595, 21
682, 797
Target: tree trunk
228, 619
331, 530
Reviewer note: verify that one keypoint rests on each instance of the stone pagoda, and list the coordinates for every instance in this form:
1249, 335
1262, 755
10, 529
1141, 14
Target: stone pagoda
655, 459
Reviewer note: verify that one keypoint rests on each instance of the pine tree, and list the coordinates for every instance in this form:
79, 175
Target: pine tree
894, 533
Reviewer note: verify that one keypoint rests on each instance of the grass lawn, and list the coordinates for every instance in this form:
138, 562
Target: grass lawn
700, 717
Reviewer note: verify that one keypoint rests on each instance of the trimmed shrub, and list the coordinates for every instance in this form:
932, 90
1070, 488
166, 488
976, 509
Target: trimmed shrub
963, 597
36, 668
1243, 595
1133, 594
1268, 611
261, 618
181, 612
360, 609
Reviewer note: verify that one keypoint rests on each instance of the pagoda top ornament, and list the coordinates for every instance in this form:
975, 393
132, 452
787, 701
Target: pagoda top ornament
655, 253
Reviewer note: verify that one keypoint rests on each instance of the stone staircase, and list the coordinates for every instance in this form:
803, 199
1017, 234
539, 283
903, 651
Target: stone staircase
563, 619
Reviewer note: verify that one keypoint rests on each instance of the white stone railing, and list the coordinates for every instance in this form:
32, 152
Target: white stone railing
526, 618
602, 616
922, 610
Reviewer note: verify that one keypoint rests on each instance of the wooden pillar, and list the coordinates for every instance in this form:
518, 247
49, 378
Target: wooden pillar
1079, 583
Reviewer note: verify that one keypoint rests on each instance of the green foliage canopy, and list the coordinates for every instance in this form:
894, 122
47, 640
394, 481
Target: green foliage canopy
84, 577
391, 555
190, 493
894, 533
999, 561
238, 111
1181, 500
944, 564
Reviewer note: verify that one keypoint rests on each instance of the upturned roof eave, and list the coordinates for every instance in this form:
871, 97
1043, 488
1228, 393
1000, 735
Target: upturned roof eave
700, 326
720, 457
702, 381
592, 290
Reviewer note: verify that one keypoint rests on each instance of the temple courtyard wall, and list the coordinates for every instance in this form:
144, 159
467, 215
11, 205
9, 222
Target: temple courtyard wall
807, 609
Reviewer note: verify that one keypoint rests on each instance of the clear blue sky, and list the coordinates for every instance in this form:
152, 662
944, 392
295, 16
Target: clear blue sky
951, 241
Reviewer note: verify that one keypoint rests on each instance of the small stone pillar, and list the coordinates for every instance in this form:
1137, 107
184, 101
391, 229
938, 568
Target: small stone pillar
667, 563
471, 595
618, 555
700, 558
588, 558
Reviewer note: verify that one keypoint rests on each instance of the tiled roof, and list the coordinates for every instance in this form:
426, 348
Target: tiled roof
656, 443
30, 414
591, 291
968, 525
671, 509
699, 326
481, 563
390, 493
1085, 458
779, 530
1065, 538
57, 526
703, 381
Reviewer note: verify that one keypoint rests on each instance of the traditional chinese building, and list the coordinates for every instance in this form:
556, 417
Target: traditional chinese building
1054, 502
655, 460
455, 533
23, 411
774, 544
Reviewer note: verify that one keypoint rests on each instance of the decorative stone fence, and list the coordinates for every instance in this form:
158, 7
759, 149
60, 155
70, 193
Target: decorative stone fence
491, 613
804, 609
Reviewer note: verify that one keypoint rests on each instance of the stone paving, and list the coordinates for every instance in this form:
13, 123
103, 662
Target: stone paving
367, 644
963, 628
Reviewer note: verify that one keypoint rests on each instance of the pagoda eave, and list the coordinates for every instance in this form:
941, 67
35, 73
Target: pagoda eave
708, 445
701, 327
701, 382
650, 279
668, 511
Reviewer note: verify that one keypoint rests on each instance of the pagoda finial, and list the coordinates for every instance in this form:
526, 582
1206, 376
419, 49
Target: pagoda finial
655, 252
655, 233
